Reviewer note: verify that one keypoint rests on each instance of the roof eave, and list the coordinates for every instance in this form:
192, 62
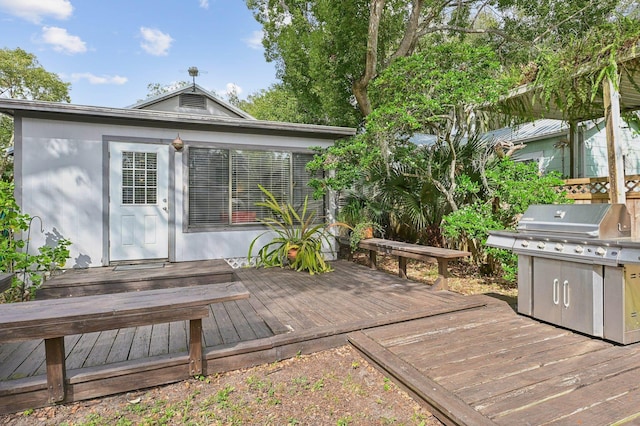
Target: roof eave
54, 109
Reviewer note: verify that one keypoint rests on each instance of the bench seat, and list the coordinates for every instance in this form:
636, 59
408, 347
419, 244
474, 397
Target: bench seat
52, 319
406, 251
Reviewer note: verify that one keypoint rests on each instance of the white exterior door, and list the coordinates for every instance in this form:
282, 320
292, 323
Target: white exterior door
138, 195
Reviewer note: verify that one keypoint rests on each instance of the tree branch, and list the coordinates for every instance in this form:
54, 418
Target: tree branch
429, 30
371, 62
409, 39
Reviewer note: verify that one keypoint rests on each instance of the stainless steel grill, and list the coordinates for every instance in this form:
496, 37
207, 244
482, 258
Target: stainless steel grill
578, 268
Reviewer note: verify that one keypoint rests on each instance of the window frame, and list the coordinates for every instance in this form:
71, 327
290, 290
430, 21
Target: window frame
189, 228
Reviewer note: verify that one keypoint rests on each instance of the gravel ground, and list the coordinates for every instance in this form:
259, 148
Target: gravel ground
333, 387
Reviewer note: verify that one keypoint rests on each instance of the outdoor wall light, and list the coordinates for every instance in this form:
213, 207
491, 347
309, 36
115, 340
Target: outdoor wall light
177, 143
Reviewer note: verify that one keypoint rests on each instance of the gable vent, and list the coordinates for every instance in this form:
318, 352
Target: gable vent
189, 100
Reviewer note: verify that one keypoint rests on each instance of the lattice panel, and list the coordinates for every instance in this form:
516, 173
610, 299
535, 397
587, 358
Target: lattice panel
598, 188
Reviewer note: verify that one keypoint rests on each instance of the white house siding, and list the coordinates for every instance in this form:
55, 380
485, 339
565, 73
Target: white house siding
549, 155
595, 152
61, 180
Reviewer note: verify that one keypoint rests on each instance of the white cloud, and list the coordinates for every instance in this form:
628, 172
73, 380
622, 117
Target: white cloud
36, 10
255, 41
155, 41
204, 4
232, 87
228, 90
99, 79
62, 41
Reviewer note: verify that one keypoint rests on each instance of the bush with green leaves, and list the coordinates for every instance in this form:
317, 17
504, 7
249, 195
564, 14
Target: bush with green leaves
513, 187
294, 231
30, 269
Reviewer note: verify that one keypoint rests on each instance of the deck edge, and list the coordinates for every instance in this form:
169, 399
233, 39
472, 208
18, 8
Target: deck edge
446, 406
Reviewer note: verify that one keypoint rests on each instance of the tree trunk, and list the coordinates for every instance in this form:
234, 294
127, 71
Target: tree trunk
361, 85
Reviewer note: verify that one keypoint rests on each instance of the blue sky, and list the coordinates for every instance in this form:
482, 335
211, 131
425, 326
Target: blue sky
110, 50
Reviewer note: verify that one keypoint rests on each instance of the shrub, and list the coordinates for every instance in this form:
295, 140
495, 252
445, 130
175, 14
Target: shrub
30, 269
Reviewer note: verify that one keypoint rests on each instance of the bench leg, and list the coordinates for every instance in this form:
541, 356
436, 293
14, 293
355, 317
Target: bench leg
56, 370
443, 274
373, 261
195, 346
402, 267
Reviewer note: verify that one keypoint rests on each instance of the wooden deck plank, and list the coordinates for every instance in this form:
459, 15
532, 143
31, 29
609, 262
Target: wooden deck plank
623, 408
178, 341
278, 307
511, 363
210, 331
430, 330
77, 353
16, 352
503, 385
449, 360
32, 360
241, 325
141, 342
511, 344
257, 324
557, 387
570, 403
224, 324
101, 348
159, 343
297, 303
314, 304
121, 345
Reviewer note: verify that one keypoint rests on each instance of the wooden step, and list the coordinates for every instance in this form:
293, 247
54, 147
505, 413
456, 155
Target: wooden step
112, 279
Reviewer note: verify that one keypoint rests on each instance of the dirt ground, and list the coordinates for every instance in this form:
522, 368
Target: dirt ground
333, 387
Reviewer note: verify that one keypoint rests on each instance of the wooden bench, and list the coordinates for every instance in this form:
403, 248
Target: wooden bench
53, 319
406, 251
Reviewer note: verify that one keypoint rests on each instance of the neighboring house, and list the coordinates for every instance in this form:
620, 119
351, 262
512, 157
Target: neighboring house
547, 143
117, 183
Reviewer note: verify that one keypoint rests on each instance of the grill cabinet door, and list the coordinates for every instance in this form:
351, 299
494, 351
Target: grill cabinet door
547, 287
582, 298
569, 294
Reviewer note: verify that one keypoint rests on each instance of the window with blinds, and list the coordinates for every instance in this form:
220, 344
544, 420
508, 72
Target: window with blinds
223, 184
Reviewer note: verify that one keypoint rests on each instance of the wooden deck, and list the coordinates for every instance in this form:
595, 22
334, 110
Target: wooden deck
287, 313
473, 360
492, 366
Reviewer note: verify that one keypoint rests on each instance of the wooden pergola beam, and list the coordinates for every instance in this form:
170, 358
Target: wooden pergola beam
614, 151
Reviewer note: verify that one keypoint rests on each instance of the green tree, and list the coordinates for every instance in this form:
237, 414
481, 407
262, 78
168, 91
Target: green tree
22, 77
157, 89
330, 51
273, 104
512, 188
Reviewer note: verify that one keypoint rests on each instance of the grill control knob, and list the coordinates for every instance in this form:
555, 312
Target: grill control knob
559, 247
525, 243
541, 245
579, 249
600, 251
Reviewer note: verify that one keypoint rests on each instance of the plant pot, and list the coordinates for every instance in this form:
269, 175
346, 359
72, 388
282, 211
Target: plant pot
292, 254
367, 233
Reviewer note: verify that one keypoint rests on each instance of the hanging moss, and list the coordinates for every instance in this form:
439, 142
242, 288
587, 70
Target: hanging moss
571, 79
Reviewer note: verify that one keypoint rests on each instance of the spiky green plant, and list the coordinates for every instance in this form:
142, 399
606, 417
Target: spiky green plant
294, 231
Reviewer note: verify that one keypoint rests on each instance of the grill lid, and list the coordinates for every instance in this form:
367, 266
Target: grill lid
577, 220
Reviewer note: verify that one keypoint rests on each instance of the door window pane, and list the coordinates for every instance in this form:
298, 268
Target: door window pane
139, 177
